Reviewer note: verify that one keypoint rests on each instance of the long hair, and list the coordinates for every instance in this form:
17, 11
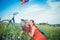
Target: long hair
34, 24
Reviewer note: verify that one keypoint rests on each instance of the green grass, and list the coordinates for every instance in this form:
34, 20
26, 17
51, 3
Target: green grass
51, 33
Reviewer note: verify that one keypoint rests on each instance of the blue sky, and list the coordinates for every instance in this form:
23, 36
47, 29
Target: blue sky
38, 10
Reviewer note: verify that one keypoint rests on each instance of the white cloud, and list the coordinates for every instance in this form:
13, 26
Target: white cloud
34, 12
37, 12
40, 14
53, 5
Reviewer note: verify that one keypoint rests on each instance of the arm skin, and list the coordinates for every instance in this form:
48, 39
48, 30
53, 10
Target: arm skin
32, 33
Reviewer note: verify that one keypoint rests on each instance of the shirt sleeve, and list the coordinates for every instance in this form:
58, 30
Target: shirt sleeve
25, 29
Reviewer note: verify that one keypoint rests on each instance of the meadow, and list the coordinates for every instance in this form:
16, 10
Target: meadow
51, 33
14, 32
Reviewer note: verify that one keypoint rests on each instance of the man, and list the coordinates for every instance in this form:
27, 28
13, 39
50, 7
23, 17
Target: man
25, 30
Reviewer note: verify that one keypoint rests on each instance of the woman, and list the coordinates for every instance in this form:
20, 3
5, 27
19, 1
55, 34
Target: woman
34, 32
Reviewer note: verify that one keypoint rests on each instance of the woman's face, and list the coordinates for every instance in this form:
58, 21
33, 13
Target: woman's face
30, 22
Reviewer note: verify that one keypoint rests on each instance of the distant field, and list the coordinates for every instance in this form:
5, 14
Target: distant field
51, 33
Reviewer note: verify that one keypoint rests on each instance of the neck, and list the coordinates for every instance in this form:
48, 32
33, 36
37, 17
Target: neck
26, 25
31, 25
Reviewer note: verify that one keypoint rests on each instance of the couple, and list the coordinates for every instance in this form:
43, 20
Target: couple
32, 30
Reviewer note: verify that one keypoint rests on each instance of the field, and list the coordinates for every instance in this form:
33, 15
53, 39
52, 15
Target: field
51, 33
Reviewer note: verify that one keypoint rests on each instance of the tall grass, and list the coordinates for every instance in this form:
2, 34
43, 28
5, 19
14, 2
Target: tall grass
51, 33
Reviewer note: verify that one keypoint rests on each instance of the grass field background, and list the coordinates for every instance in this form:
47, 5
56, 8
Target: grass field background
51, 32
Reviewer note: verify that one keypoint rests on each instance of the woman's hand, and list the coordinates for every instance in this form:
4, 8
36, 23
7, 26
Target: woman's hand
30, 35
32, 32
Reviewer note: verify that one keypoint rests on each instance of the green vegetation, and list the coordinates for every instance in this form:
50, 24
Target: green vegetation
51, 32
